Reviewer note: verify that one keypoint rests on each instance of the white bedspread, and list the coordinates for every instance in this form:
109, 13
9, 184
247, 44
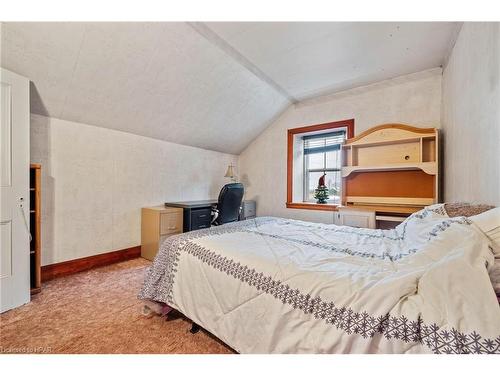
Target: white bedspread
273, 285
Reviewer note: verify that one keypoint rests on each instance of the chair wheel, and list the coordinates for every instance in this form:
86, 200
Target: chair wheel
194, 328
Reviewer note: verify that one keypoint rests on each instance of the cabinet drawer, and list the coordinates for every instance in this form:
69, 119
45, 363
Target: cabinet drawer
249, 210
201, 218
358, 219
170, 223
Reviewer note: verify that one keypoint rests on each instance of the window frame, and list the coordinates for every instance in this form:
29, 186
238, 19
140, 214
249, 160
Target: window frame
348, 124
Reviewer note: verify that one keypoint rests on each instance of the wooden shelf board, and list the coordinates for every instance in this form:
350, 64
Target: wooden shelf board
427, 167
397, 219
313, 206
387, 142
390, 201
382, 208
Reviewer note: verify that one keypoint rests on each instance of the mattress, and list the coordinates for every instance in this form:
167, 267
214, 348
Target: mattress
273, 285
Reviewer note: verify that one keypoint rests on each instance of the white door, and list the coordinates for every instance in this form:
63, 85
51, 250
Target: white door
14, 190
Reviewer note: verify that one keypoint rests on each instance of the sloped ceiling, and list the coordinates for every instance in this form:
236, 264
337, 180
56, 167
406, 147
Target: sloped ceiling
161, 80
214, 86
308, 59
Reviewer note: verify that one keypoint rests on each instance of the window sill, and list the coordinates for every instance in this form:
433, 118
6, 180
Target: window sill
313, 206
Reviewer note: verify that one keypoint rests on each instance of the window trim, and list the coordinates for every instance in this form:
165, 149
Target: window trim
349, 124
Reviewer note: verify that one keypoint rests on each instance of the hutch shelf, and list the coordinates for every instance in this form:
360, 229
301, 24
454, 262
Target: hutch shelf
35, 227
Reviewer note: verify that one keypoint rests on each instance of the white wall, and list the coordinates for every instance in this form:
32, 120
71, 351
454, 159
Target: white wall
95, 181
412, 99
471, 116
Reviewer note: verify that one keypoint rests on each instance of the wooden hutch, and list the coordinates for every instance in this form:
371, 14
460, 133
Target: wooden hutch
389, 172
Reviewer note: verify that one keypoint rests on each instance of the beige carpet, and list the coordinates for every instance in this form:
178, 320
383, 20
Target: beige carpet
98, 312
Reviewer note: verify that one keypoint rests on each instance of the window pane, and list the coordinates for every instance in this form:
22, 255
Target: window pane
316, 161
332, 181
313, 184
333, 159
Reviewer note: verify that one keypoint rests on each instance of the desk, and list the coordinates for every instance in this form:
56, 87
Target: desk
197, 214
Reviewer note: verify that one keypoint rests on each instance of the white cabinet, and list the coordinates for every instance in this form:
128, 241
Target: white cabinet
355, 218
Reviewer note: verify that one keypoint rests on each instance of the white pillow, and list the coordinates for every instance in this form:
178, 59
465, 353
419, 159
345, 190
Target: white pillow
489, 223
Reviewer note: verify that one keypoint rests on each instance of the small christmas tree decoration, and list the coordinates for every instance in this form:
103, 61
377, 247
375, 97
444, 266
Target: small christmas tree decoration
321, 192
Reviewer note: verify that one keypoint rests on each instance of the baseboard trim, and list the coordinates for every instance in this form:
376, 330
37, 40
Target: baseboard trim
70, 267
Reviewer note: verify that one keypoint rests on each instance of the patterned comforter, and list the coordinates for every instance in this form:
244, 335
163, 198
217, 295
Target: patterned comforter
272, 285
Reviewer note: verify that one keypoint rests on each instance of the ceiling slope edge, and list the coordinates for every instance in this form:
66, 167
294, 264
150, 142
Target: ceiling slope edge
219, 42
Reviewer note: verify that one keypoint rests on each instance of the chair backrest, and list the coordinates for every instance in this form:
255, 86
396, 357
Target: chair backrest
230, 198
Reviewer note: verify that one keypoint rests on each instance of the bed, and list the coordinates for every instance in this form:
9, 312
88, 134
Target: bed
273, 285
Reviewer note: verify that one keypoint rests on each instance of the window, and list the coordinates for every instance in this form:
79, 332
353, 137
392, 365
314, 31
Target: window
313, 151
322, 157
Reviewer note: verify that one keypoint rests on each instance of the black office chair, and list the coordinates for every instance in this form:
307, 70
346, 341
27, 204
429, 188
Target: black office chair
229, 204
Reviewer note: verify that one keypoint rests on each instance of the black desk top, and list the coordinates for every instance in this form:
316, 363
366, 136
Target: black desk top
192, 204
